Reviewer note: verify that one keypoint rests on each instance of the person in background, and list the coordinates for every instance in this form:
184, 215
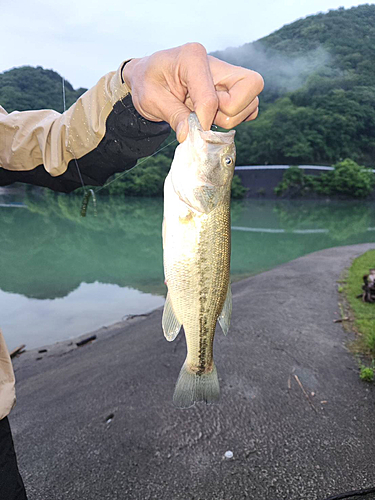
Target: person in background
125, 116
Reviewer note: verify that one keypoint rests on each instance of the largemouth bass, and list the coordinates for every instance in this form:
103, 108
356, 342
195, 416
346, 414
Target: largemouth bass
196, 244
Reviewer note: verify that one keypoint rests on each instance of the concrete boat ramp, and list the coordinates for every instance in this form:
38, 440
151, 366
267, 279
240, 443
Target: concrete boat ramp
96, 422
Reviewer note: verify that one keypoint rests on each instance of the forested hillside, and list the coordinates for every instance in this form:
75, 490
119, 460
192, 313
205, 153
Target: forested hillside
35, 88
318, 105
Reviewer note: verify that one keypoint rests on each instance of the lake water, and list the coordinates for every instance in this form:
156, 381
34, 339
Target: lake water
62, 275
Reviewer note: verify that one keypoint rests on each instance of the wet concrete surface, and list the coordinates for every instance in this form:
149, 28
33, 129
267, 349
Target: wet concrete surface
97, 422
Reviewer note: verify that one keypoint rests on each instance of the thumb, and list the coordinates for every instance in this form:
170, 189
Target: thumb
182, 129
173, 111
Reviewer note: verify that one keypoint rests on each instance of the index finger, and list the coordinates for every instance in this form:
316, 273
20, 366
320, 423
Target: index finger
241, 91
197, 77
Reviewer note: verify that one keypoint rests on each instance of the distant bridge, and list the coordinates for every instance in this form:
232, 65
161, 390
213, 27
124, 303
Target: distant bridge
284, 167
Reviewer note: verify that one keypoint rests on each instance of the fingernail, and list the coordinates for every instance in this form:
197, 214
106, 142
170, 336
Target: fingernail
182, 130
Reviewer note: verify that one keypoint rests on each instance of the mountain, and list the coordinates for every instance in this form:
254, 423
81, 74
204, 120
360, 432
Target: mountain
318, 105
35, 88
339, 43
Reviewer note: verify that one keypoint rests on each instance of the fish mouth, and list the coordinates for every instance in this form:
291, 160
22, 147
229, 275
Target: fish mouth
209, 135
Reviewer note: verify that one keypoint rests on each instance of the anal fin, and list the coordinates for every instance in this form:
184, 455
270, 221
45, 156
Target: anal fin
170, 323
226, 313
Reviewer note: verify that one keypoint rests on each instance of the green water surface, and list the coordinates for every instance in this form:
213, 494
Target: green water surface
62, 275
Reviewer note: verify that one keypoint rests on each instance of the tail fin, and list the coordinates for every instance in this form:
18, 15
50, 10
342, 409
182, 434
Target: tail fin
191, 388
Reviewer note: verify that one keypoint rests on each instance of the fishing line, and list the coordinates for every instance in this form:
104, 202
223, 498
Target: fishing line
130, 169
139, 163
91, 192
63, 91
86, 193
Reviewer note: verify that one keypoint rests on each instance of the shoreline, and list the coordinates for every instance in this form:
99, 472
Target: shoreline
107, 331
62, 347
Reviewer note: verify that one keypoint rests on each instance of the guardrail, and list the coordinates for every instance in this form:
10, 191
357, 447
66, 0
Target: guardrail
284, 167
12, 205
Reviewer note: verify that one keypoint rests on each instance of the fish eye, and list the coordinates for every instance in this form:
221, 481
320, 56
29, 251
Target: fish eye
228, 160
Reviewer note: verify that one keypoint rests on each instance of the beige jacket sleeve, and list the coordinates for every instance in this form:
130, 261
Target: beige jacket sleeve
7, 382
102, 133
48, 138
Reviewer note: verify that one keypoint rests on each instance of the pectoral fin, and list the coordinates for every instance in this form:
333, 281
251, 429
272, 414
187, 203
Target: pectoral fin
226, 313
171, 325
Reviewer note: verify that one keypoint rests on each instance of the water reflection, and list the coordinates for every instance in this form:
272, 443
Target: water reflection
39, 322
267, 233
342, 220
47, 251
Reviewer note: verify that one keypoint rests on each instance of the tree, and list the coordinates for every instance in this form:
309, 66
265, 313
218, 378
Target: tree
348, 179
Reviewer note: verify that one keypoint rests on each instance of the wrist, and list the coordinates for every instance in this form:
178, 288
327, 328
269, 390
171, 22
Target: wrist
127, 71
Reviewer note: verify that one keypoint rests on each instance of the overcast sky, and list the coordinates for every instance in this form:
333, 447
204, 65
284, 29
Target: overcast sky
84, 39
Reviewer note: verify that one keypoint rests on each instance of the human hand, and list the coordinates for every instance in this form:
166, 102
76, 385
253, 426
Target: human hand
171, 83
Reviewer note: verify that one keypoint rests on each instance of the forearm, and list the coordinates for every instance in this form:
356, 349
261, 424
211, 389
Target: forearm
102, 131
7, 382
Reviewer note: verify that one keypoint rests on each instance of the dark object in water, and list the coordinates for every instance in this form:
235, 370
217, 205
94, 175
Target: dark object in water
85, 202
17, 350
368, 288
86, 341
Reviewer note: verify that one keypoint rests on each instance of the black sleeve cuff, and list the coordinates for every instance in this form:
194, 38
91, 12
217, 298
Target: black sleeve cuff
128, 137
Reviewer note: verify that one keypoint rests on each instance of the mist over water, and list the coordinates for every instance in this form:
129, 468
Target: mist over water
281, 73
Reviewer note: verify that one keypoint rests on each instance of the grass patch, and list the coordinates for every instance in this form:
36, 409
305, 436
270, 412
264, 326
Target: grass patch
367, 373
362, 313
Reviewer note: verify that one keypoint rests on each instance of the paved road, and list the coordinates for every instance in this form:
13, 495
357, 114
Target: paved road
283, 447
